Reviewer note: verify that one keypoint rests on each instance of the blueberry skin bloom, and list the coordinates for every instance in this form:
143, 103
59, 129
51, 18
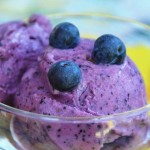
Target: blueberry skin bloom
64, 75
108, 49
64, 36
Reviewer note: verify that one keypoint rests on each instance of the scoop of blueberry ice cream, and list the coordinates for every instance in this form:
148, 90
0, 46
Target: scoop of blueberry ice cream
93, 78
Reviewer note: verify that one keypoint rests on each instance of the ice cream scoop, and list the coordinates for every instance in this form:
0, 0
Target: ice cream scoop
20, 44
104, 89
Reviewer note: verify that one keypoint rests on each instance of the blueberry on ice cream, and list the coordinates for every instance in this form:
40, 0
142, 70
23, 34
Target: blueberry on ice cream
64, 36
64, 75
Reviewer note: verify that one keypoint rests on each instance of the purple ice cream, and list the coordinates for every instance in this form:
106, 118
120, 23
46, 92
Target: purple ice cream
103, 90
20, 44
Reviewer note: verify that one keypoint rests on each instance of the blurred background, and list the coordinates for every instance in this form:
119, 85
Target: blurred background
15, 9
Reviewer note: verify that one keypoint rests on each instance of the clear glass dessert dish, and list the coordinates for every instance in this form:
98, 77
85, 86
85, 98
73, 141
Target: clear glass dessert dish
124, 131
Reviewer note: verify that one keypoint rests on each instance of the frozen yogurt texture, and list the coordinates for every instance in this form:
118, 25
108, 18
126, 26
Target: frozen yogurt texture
20, 44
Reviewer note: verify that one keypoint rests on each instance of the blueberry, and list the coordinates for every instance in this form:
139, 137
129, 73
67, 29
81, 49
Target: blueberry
64, 36
64, 75
108, 49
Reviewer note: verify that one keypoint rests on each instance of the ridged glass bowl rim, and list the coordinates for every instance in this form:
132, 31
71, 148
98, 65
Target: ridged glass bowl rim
90, 119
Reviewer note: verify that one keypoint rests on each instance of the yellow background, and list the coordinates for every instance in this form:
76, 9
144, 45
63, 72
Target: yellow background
141, 56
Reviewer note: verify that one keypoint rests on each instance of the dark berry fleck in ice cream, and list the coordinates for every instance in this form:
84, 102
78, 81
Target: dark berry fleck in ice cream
64, 75
108, 49
64, 36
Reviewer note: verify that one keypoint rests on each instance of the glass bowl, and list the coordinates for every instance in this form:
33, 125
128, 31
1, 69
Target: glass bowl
130, 130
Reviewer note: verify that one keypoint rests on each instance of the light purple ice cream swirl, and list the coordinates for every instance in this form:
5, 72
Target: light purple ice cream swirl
20, 44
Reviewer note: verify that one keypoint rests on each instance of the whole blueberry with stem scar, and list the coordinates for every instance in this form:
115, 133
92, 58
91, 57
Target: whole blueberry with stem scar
108, 49
64, 75
64, 36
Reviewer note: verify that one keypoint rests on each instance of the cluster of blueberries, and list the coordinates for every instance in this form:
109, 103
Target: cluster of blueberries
66, 75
